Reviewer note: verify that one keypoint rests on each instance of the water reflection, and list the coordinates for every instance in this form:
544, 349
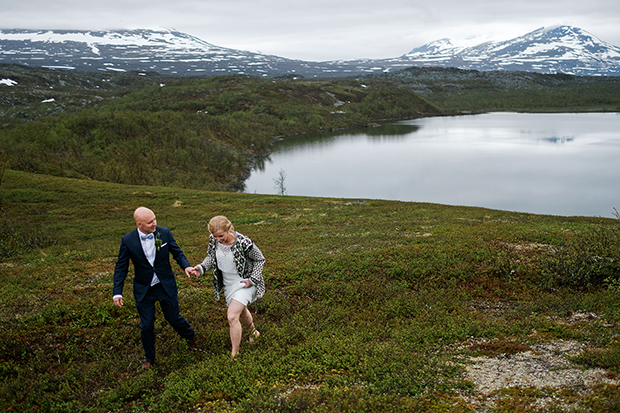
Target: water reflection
558, 139
324, 139
561, 164
392, 130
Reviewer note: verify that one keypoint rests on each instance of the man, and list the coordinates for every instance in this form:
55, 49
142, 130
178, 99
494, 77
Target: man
148, 248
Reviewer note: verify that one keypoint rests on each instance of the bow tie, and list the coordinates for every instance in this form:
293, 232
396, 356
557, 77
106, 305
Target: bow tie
145, 237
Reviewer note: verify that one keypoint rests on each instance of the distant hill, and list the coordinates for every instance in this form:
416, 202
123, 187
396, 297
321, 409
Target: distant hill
561, 49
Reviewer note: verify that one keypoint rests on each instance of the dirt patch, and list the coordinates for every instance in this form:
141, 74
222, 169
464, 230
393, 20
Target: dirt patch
501, 365
546, 365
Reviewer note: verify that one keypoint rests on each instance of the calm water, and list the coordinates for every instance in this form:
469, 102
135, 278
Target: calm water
557, 164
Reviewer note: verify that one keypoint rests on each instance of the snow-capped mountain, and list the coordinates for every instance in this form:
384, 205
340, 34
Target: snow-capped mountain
165, 51
560, 49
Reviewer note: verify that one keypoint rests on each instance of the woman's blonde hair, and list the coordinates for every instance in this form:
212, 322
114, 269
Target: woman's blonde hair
220, 222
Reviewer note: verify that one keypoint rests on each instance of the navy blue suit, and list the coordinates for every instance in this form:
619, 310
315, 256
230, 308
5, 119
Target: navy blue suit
146, 295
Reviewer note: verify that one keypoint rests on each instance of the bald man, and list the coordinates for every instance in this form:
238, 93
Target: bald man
149, 248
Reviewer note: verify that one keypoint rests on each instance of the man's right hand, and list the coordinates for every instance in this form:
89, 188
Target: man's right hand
118, 301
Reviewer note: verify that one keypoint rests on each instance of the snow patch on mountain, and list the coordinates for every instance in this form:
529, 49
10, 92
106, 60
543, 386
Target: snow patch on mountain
557, 49
136, 37
8, 82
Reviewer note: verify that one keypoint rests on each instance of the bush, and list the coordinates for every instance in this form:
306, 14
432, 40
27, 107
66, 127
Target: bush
15, 239
588, 259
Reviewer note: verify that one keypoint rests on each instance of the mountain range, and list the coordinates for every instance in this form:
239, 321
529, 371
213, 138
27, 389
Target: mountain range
559, 49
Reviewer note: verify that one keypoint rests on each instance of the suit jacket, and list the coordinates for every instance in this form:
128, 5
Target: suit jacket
131, 249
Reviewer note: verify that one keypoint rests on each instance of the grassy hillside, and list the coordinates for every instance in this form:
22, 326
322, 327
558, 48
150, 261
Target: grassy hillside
39, 92
371, 305
473, 91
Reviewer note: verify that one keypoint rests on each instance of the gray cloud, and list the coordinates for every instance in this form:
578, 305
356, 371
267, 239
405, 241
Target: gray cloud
321, 29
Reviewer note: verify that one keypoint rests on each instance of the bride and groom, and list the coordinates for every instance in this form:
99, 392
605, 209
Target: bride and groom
237, 265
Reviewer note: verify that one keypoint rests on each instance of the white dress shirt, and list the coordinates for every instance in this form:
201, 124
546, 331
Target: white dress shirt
148, 246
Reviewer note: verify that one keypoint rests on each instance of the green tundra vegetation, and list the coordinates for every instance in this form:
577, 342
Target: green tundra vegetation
371, 306
456, 90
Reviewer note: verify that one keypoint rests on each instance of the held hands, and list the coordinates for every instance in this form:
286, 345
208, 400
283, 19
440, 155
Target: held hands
192, 271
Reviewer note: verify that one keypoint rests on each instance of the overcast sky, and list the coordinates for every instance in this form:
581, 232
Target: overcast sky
319, 30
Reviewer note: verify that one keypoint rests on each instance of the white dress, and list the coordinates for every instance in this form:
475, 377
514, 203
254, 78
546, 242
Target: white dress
233, 287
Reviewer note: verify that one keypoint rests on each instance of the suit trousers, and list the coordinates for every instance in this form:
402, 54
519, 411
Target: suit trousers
170, 308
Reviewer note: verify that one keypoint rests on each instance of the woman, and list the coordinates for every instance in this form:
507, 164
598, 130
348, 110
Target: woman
237, 266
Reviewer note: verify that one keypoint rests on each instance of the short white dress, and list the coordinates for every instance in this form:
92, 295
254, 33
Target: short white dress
233, 287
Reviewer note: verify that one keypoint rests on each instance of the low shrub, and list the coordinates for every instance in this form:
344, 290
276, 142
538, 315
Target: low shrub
589, 258
17, 239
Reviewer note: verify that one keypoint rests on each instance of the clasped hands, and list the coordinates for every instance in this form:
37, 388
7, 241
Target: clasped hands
192, 271
196, 273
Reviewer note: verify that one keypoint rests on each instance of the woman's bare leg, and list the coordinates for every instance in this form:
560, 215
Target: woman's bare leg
248, 323
235, 309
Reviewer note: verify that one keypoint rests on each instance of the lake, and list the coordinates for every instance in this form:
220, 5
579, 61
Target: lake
553, 164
